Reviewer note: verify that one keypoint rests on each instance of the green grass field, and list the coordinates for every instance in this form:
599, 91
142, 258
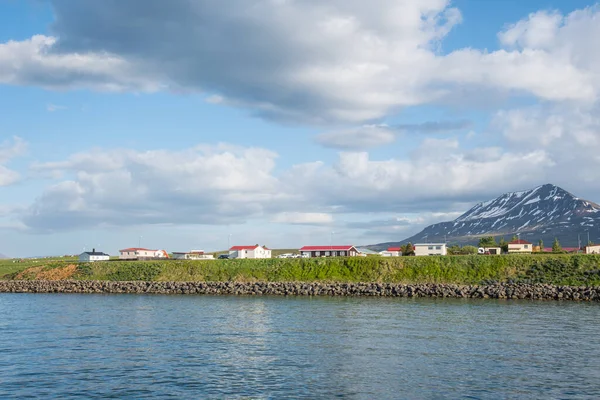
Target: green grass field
564, 269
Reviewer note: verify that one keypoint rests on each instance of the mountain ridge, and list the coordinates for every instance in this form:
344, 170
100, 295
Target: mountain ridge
544, 212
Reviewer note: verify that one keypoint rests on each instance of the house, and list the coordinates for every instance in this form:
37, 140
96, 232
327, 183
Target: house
430, 249
138, 253
192, 255
489, 250
392, 252
255, 251
328, 251
592, 249
90, 256
520, 246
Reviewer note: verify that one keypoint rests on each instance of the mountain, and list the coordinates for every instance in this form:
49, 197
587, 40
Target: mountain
3, 257
545, 212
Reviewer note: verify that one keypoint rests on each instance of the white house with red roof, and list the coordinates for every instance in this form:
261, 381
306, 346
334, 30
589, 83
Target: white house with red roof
392, 252
255, 251
328, 251
139, 253
520, 246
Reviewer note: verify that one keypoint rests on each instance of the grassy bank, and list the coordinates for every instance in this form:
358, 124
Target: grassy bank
574, 270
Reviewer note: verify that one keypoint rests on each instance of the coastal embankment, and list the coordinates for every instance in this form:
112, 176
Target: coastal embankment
560, 276
493, 291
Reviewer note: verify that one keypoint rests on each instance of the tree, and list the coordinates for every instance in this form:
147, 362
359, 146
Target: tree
469, 250
503, 245
487, 241
454, 250
541, 244
515, 237
556, 246
408, 250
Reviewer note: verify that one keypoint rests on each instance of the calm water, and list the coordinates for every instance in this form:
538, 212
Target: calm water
132, 346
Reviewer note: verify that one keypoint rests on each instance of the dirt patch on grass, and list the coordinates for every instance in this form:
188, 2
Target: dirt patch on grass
44, 274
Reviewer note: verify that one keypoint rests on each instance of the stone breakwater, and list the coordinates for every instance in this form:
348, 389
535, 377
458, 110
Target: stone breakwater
494, 291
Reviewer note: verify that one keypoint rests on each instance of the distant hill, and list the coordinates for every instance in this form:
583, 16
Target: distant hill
545, 212
3, 257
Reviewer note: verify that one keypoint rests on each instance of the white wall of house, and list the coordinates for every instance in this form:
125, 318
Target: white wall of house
131, 254
84, 257
258, 252
520, 248
430, 249
388, 253
595, 249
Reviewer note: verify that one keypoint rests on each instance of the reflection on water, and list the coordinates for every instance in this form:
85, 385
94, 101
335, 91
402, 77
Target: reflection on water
85, 346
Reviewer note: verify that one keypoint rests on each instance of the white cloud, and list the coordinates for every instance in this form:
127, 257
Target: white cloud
569, 135
33, 62
10, 149
354, 62
300, 218
124, 187
225, 184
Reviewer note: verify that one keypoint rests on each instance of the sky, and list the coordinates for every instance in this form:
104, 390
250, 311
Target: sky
195, 124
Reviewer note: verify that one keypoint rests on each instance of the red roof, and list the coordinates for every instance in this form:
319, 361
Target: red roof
520, 241
567, 249
136, 249
327, 248
394, 249
236, 248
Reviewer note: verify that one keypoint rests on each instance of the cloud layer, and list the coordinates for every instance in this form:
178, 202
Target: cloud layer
354, 62
10, 149
346, 66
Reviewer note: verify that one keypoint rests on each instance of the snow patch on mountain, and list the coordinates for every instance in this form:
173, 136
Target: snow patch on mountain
544, 212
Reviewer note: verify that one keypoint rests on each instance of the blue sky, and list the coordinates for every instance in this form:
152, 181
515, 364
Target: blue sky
281, 122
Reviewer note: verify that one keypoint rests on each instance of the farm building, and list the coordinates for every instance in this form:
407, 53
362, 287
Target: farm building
138, 253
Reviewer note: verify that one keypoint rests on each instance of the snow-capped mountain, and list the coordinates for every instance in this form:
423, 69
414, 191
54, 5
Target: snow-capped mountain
543, 213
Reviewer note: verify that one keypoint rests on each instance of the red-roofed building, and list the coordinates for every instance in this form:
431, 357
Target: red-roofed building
139, 253
392, 252
520, 246
255, 251
566, 249
328, 251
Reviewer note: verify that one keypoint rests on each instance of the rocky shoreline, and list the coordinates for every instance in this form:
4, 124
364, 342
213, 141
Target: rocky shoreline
493, 291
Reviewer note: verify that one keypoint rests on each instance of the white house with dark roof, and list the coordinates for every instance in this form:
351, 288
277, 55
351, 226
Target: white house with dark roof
328, 251
255, 251
90, 256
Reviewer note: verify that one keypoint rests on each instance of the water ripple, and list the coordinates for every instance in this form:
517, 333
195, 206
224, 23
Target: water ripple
142, 347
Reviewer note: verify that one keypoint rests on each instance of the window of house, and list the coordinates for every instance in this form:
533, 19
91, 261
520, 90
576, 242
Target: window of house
342, 253
430, 248
438, 247
526, 246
